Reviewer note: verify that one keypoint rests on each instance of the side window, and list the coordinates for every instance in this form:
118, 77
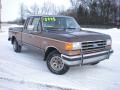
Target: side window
35, 23
26, 23
30, 26
30, 21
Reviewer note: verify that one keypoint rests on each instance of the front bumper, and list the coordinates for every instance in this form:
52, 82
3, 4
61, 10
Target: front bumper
86, 59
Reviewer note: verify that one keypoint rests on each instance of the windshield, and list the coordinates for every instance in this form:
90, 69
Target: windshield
60, 23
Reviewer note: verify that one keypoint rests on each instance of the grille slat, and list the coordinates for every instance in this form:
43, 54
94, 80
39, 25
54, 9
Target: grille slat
93, 48
93, 45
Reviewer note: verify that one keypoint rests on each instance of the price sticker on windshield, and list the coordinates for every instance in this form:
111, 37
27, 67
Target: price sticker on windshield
49, 19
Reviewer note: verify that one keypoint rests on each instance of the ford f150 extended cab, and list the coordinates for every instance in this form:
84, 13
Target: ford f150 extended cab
62, 41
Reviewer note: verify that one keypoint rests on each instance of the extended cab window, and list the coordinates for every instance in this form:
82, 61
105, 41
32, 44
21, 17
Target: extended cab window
33, 24
29, 26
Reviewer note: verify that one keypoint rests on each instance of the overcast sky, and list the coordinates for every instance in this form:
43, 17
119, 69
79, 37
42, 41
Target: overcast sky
10, 8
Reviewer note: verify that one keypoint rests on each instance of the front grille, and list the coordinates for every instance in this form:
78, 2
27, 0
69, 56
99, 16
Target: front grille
93, 46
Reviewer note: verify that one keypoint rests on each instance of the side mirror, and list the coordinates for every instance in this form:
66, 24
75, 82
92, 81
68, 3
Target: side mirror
30, 27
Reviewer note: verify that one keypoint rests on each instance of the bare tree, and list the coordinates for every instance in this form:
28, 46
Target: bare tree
22, 13
49, 8
34, 9
74, 3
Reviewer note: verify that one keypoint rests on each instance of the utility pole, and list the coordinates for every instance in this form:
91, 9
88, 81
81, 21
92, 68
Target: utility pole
0, 15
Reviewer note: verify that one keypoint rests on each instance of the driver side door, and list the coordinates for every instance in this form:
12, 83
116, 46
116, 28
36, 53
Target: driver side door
32, 31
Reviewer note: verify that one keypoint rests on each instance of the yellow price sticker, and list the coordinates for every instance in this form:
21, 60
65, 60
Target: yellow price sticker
49, 19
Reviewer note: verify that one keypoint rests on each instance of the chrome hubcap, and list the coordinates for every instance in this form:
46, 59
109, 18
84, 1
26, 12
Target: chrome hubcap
56, 63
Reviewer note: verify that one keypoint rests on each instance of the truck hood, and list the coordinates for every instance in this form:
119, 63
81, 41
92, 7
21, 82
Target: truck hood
78, 36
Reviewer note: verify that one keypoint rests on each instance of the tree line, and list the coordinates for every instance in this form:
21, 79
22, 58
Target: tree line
48, 8
87, 12
95, 12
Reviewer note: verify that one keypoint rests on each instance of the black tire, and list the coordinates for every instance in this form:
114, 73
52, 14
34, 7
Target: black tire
63, 68
94, 63
16, 46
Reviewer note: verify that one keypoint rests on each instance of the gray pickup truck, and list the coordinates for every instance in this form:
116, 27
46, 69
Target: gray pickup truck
62, 42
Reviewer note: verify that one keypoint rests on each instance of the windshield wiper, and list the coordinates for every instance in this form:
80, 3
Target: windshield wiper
54, 28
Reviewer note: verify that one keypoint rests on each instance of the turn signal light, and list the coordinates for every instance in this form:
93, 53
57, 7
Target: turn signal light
68, 46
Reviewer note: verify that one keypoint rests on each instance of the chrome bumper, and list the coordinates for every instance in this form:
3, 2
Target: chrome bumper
86, 59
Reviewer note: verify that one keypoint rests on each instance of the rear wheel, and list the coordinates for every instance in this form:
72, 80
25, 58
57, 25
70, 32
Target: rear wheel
16, 46
55, 63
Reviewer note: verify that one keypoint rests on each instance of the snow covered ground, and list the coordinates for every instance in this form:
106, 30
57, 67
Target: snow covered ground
28, 71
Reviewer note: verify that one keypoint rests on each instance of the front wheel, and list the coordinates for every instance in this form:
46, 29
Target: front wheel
94, 63
55, 63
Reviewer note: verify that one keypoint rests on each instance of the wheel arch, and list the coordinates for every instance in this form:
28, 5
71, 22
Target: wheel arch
48, 50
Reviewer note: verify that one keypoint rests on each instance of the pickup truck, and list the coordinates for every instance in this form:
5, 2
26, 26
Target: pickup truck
62, 42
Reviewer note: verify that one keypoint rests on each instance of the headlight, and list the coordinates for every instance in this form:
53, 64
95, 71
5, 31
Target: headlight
73, 46
109, 42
